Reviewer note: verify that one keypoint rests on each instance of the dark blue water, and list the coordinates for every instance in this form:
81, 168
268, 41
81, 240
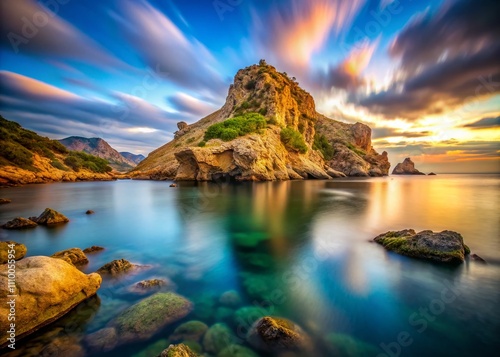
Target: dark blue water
299, 250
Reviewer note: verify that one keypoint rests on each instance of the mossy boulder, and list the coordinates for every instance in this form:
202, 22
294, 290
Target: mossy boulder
51, 217
153, 349
74, 256
19, 223
191, 330
218, 337
339, 344
237, 351
443, 247
6, 246
144, 319
230, 298
178, 351
275, 334
140, 322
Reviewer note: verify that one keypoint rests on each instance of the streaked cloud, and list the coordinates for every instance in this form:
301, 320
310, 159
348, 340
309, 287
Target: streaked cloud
485, 123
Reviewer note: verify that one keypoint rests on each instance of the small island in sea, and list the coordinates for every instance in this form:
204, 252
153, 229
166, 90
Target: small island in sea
229, 178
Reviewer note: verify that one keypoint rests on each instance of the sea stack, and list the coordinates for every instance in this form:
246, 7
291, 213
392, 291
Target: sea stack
407, 167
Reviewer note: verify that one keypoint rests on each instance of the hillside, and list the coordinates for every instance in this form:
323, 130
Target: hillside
268, 129
135, 158
26, 157
100, 148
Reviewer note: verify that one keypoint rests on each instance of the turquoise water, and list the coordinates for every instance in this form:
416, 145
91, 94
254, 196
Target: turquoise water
299, 250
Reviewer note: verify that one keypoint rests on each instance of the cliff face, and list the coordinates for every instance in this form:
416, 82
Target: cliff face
100, 148
329, 148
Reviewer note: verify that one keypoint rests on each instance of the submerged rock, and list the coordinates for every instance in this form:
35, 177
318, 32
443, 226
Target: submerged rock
140, 321
407, 167
178, 351
444, 247
4, 201
347, 346
19, 251
146, 286
116, 267
246, 316
74, 256
19, 223
89, 212
47, 288
218, 337
51, 217
237, 351
275, 334
191, 330
230, 298
93, 249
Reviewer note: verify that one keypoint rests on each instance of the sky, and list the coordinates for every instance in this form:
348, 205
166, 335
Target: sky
423, 74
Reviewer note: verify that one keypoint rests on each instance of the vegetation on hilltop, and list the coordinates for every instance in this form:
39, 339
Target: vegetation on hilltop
238, 126
18, 147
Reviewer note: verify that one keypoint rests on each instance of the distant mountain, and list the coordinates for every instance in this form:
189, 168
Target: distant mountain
133, 157
100, 148
26, 157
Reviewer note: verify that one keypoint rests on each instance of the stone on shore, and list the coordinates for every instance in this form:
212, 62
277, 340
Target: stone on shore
19, 223
19, 251
50, 217
46, 288
74, 256
444, 247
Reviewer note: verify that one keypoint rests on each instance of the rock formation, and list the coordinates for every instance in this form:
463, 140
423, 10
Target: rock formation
180, 350
443, 247
325, 145
93, 249
18, 250
51, 217
74, 256
407, 167
19, 223
273, 334
46, 289
116, 267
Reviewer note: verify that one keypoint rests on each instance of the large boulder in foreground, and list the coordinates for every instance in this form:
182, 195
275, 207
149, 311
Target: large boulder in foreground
444, 247
140, 321
19, 223
46, 288
74, 256
50, 217
275, 334
18, 250
407, 167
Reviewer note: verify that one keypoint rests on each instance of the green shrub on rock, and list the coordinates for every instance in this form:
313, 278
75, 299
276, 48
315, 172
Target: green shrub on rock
238, 126
293, 140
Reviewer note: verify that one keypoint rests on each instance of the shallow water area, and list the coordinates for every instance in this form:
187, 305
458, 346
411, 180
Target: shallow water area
299, 249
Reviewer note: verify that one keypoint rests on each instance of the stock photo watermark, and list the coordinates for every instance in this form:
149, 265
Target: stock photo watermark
12, 294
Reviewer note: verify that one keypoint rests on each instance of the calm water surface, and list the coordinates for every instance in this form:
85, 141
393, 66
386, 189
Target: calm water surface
299, 250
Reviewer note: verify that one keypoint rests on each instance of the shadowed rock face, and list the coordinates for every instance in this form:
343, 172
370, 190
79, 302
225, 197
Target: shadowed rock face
443, 247
407, 167
19, 223
47, 288
262, 156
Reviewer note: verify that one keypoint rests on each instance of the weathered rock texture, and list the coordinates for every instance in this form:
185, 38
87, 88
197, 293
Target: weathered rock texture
444, 247
180, 350
51, 217
74, 256
19, 223
19, 251
407, 167
257, 157
46, 289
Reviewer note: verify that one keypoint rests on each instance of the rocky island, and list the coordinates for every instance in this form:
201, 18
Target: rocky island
407, 167
268, 129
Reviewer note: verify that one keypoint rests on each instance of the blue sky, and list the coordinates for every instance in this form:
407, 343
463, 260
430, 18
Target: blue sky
423, 74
